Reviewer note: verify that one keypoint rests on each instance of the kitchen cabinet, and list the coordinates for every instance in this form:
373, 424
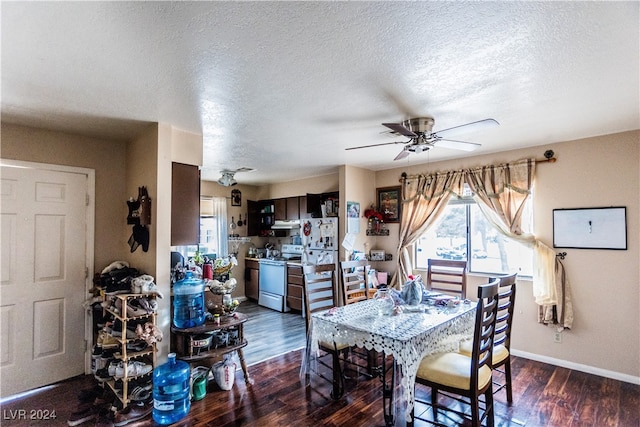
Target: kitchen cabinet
287, 208
293, 208
302, 208
330, 200
295, 287
280, 209
261, 215
185, 204
251, 278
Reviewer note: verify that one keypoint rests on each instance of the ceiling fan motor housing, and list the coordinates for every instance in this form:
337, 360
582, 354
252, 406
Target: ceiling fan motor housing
420, 125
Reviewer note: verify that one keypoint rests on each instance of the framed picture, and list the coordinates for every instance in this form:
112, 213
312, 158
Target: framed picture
353, 217
590, 228
236, 198
389, 203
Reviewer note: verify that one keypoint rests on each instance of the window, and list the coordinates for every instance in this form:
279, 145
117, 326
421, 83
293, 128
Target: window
213, 219
463, 233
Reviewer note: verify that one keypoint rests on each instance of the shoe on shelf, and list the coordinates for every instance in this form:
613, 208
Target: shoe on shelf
137, 345
141, 393
134, 369
106, 340
135, 311
117, 333
133, 412
150, 305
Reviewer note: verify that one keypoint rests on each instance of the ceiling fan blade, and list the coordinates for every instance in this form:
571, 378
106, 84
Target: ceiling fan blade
377, 145
457, 145
397, 127
402, 154
473, 126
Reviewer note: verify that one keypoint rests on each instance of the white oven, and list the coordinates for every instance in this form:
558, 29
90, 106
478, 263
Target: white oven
273, 284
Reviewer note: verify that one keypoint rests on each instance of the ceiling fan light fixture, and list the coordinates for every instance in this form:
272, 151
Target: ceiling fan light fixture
227, 179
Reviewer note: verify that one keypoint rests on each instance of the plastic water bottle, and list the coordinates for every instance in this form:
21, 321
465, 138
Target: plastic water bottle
188, 302
171, 383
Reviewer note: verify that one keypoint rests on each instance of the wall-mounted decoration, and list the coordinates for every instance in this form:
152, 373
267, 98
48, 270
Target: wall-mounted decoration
590, 228
353, 217
389, 203
140, 216
236, 198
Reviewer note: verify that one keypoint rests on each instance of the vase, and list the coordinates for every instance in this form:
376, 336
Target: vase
384, 301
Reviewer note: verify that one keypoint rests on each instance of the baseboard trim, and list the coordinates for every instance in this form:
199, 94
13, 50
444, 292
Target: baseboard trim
577, 366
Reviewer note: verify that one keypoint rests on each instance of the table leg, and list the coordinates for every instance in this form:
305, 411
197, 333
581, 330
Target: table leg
388, 391
243, 364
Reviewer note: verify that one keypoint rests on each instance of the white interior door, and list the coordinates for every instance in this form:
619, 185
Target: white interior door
43, 280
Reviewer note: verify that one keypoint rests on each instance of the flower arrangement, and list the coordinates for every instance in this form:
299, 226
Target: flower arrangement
372, 214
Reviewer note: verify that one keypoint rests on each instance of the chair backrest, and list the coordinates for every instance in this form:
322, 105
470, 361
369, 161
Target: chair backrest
319, 285
355, 275
484, 329
447, 276
506, 305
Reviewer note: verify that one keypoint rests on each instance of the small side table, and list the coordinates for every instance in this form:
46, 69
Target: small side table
230, 325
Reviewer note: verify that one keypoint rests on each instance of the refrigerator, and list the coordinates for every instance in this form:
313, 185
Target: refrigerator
320, 240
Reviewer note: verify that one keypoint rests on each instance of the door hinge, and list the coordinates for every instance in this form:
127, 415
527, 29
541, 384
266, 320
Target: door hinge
86, 272
87, 200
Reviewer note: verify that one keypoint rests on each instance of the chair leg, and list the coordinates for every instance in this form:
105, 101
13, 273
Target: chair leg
434, 403
489, 414
507, 377
338, 381
475, 411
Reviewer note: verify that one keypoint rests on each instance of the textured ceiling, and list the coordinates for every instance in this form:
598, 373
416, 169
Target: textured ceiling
285, 87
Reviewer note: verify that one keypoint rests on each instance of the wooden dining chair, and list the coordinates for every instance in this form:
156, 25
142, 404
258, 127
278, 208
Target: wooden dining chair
501, 360
319, 289
355, 288
464, 376
355, 276
447, 276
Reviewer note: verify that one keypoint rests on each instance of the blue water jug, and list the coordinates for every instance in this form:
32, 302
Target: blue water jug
188, 302
171, 383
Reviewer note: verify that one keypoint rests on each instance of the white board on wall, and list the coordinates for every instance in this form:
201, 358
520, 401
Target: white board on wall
590, 228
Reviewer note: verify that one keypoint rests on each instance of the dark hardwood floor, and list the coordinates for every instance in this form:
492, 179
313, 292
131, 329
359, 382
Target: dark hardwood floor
544, 395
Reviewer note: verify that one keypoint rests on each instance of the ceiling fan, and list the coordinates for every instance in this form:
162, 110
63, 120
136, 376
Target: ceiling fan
421, 136
227, 179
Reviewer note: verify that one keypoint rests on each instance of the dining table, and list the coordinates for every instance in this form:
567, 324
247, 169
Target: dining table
408, 334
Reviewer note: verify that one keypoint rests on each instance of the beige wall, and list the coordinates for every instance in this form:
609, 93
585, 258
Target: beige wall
107, 158
593, 172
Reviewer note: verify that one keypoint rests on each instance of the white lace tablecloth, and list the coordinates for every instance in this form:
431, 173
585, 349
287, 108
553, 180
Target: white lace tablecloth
409, 336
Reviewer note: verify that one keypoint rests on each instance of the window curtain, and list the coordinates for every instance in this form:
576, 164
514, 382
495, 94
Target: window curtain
501, 192
424, 197
220, 213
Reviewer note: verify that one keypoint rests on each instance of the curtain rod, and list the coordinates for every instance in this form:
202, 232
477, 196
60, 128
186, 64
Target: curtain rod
548, 158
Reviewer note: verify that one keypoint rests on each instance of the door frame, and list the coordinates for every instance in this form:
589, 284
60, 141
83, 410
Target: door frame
90, 205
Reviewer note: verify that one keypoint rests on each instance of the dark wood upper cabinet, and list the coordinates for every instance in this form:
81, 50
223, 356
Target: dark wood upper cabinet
293, 208
302, 206
280, 209
185, 204
253, 218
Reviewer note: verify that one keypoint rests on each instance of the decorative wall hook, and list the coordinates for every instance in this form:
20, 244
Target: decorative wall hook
561, 255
